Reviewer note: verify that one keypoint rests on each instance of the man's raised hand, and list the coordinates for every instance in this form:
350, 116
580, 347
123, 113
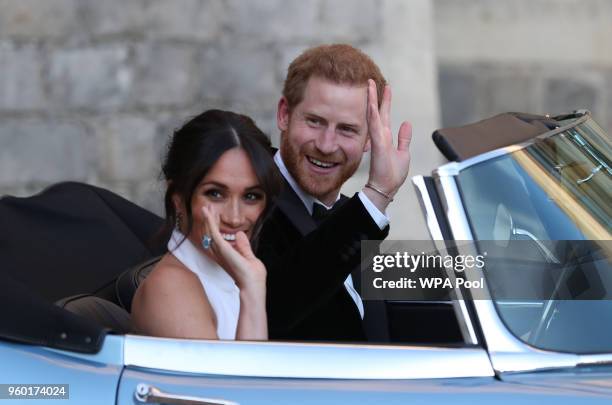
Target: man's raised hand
389, 165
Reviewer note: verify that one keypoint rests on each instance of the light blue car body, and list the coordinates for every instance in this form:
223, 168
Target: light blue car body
103, 379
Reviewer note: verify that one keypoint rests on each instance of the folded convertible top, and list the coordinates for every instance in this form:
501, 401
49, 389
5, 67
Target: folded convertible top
74, 238
70, 239
460, 143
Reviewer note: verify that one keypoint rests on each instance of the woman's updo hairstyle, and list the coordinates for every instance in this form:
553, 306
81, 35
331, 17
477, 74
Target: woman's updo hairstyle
196, 147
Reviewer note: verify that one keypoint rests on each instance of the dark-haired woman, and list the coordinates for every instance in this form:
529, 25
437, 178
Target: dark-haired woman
221, 182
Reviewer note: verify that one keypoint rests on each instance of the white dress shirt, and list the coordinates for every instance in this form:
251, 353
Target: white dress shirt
381, 219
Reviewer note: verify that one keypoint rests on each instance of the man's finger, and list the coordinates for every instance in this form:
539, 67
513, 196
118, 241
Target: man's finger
372, 94
385, 107
374, 127
405, 136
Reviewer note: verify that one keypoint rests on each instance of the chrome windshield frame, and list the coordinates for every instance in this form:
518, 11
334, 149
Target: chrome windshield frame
507, 352
466, 324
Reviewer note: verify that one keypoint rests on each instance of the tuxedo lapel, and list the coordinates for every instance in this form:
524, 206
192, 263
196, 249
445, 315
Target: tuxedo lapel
293, 207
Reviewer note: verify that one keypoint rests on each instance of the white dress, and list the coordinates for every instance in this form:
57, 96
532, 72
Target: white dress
222, 292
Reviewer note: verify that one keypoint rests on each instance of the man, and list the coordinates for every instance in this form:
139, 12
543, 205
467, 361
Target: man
329, 116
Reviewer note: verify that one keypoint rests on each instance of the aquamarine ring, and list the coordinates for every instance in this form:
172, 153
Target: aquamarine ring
207, 242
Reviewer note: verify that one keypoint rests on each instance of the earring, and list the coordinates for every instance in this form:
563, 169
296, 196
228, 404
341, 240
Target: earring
179, 220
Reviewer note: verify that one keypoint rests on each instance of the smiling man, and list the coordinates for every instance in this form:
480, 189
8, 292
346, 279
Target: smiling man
329, 116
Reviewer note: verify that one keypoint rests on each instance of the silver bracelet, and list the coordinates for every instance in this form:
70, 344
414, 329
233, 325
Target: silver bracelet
387, 196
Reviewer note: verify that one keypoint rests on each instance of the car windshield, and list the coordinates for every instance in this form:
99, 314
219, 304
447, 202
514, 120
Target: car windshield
548, 209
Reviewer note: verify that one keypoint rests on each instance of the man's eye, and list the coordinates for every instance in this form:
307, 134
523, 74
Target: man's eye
350, 130
313, 121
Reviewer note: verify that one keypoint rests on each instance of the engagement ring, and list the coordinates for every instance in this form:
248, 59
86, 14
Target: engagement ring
207, 242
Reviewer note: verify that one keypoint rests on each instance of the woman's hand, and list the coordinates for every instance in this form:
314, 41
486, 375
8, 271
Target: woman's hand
240, 262
249, 274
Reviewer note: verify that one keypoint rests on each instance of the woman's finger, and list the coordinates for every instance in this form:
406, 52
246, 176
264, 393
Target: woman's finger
244, 246
212, 229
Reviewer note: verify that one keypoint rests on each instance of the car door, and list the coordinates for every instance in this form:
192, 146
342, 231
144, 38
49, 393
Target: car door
60, 376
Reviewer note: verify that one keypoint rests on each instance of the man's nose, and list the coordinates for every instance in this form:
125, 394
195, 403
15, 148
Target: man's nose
232, 213
326, 142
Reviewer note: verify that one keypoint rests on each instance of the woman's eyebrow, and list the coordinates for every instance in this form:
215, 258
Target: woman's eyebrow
213, 183
225, 187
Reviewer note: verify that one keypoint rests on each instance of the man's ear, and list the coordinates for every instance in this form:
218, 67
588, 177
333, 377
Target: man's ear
282, 114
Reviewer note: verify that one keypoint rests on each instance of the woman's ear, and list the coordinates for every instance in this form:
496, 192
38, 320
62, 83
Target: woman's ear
178, 203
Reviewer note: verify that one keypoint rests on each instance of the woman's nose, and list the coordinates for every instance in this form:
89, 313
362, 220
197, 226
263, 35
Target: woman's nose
232, 214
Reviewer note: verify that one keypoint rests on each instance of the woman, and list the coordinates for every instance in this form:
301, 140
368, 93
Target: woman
221, 180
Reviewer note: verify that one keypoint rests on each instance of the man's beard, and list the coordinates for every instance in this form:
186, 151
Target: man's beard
317, 186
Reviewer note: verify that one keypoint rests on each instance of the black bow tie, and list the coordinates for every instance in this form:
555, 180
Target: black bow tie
320, 212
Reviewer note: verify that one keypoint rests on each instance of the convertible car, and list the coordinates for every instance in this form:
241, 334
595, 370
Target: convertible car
538, 331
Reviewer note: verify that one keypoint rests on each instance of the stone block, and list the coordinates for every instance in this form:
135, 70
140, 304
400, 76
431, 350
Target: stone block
92, 78
37, 19
126, 149
287, 54
275, 20
568, 94
21, 82
164, 75
239, 75
458, 94
349, 21
149, 194
199, 20
536, 30
505, 89
112, 17
605, 120
39, 151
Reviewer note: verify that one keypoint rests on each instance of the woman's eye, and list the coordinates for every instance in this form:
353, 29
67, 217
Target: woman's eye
212, 193
253, 196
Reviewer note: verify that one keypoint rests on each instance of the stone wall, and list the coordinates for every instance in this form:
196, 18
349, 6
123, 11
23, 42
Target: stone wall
91, 89
541, 56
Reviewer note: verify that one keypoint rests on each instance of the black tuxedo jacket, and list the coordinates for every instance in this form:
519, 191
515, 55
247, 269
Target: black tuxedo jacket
307, 266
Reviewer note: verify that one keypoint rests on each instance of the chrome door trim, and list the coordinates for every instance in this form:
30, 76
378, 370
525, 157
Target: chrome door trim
304, 360
507, 352
427, 207
449, 195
